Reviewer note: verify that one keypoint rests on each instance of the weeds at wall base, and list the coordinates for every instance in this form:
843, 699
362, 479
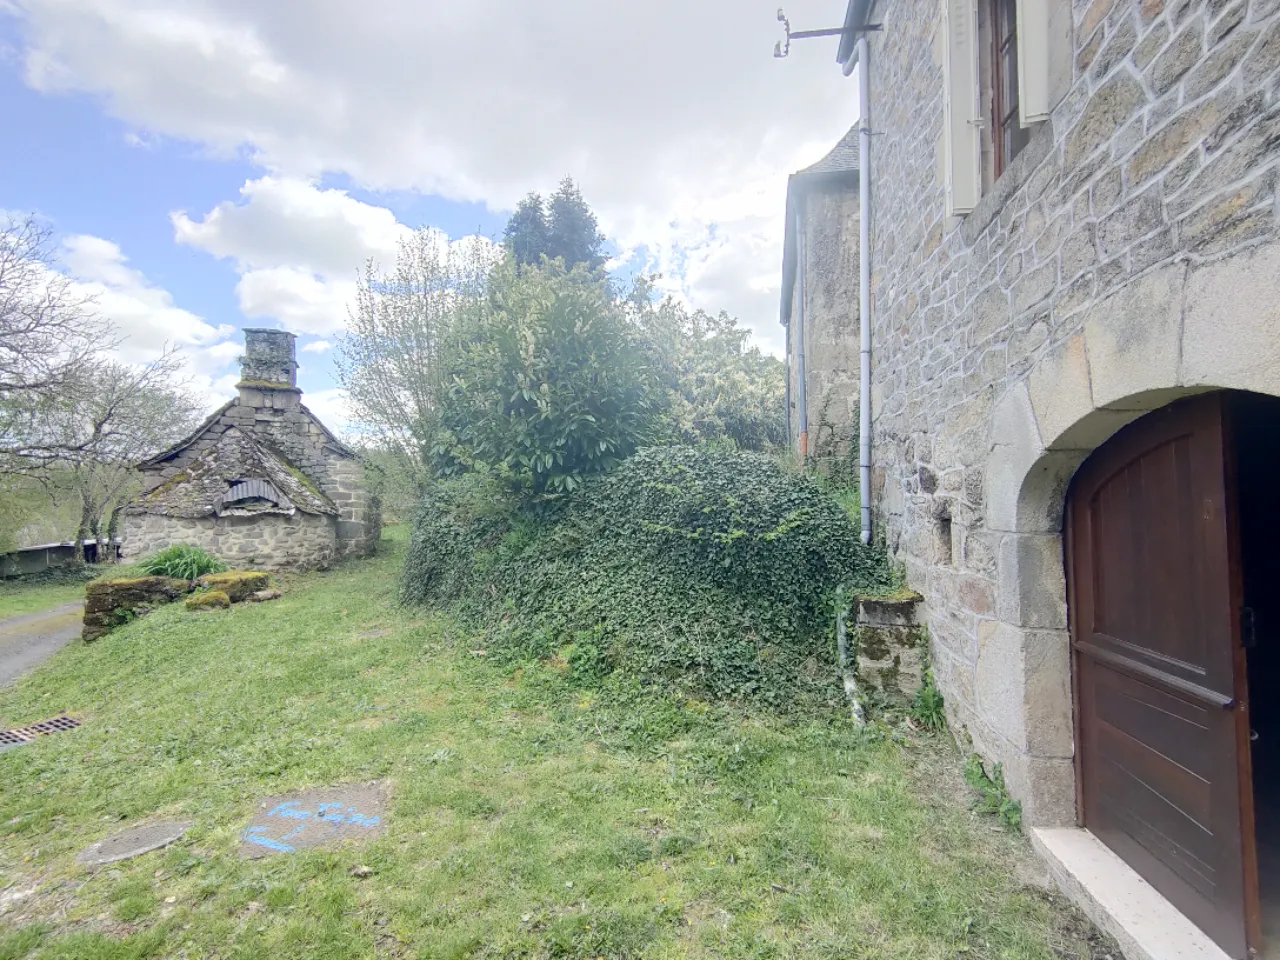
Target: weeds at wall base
993, 797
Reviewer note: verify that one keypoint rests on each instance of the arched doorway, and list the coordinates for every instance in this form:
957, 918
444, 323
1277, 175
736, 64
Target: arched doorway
1171, 539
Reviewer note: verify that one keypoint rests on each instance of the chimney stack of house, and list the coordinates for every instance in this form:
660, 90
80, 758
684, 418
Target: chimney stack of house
270, 360
269, 368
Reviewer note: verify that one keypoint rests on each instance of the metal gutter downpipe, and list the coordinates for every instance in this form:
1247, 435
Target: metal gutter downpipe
802, 374
864, 283
786, 369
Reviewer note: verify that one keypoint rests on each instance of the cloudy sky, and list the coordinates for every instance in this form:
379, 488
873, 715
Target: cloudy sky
214, 164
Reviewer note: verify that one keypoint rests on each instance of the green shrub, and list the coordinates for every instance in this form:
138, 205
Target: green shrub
718, 387
547, 384
701, 571
182, 562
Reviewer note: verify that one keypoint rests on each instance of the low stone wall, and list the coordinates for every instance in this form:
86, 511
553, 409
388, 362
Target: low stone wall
275, 542
110, 603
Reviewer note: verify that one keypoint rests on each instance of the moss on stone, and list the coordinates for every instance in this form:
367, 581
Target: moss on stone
900, 594
268, 385
209, 600
169, 484
306, 481
122, 582
236, 584
119, 573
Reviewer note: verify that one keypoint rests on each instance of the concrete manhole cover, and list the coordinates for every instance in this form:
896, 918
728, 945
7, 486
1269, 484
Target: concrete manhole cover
133, 843
321, 817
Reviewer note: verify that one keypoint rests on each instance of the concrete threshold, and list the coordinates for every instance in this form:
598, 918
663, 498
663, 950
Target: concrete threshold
1113, 896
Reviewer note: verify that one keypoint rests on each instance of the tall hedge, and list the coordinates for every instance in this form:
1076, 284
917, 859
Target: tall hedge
703, 571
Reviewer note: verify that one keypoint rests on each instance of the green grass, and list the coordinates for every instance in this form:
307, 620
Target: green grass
19, 597
527, 819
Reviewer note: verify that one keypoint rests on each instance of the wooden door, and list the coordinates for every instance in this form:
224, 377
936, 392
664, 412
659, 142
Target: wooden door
1162, 727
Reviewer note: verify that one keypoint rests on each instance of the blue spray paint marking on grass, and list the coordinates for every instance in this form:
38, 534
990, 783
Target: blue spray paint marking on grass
254, 835
336, 814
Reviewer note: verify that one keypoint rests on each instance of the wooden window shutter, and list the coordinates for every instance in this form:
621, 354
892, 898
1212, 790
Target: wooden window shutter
961, 123
1033, 61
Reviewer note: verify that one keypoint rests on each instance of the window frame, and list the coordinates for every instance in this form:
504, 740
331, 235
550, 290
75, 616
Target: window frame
1008, 136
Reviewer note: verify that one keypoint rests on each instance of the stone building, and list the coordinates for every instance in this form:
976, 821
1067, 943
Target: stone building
820, 304
262, 481
1075, 323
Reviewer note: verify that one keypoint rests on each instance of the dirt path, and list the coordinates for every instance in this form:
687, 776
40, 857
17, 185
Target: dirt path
27, 640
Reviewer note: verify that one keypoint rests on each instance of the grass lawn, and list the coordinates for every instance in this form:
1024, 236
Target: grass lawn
18, 597
527, 818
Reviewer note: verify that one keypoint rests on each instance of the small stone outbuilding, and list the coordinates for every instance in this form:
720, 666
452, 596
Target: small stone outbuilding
261, 482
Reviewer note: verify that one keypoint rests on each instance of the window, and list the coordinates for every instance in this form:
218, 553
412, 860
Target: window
253, 495
1008, 135
996, 86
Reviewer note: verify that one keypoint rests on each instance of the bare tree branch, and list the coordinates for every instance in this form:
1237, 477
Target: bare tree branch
388, 360
47, 329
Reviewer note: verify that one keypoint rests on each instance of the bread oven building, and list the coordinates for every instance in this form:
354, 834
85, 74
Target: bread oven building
262, 482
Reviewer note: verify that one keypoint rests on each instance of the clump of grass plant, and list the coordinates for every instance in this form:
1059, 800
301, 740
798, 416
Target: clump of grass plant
182, 562
928, 705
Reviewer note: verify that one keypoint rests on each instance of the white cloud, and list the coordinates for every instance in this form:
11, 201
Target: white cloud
298, 249
676, 121
285, 222
300, 300
331, 407
318, 346
145, 316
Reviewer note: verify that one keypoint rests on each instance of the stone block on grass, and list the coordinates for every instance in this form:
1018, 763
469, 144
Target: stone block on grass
208, 600
891, 648
237, 584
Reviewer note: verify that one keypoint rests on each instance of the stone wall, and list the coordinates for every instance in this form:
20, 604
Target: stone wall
359, 514
303, 541
831, 316
1128, 255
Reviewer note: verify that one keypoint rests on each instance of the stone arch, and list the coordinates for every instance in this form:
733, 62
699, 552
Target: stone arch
1172, 333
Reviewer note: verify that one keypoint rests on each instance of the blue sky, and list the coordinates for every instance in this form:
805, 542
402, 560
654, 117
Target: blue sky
214, 164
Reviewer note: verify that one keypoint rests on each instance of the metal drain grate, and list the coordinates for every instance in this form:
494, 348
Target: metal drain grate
12, 738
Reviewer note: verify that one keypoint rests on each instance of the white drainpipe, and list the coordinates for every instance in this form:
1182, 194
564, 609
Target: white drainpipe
861, 58
802, 373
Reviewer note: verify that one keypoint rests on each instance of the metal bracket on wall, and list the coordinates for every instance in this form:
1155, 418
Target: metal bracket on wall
782, 48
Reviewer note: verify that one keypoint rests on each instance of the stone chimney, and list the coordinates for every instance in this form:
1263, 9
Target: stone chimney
268, 368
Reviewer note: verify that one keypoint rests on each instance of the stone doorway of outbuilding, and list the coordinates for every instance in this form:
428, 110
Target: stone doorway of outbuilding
1171, 557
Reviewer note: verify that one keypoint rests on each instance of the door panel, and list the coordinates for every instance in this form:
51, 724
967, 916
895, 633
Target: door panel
1153, 592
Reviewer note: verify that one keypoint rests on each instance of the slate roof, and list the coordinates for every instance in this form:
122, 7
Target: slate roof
167, 454
235, 457
842, 158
